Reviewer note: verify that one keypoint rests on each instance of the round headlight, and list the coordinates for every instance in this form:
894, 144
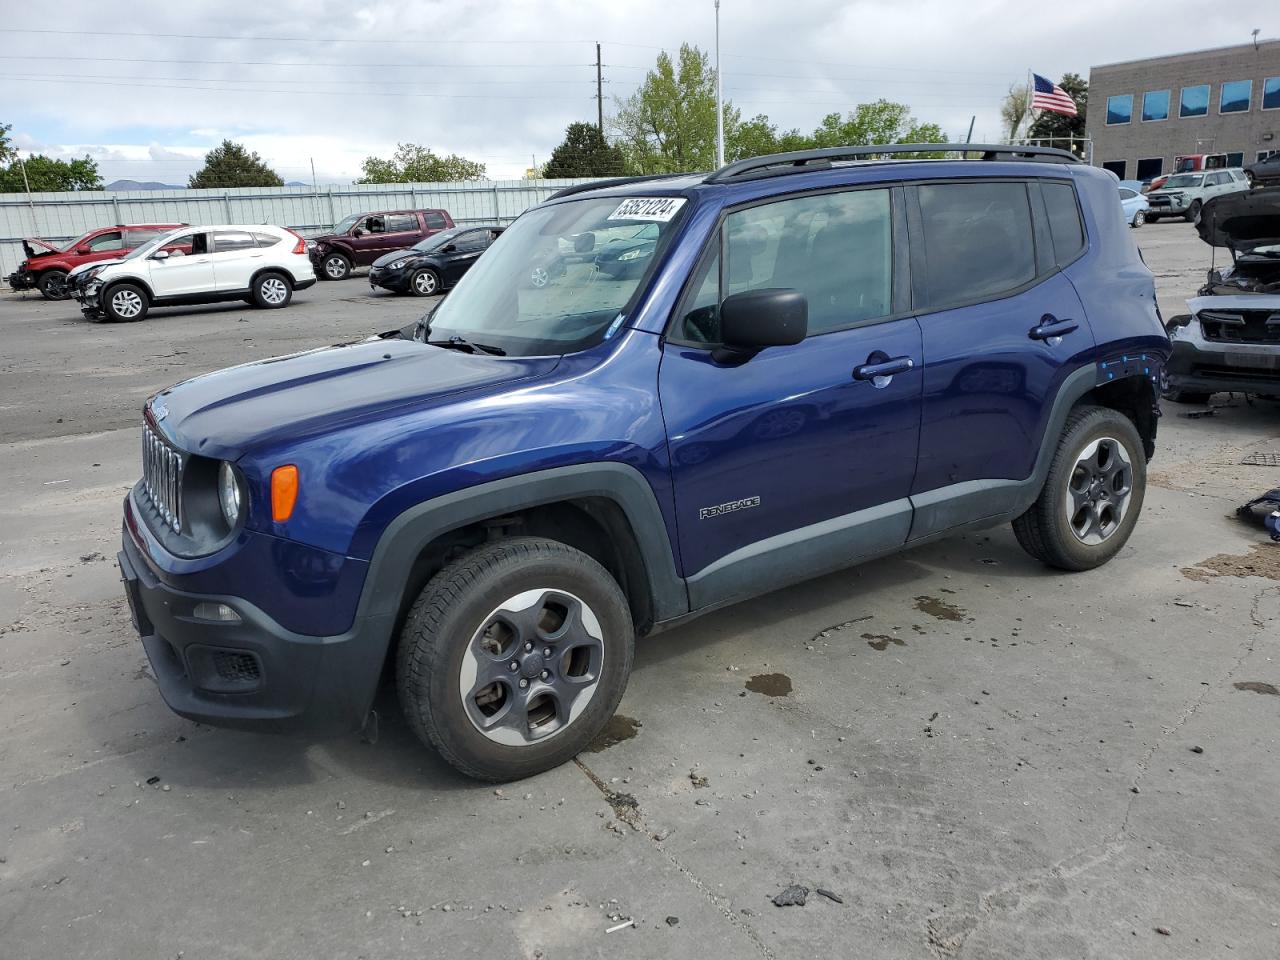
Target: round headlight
228, 494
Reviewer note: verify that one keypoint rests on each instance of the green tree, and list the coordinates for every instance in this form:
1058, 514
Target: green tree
758, 136
882, 121
6, 145
231, 165
1014, 109
412, 163
1058, 125
46, 175
669, 124
585, 153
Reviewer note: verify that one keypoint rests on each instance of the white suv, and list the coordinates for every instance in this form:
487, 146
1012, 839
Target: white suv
260, 264
1183, 194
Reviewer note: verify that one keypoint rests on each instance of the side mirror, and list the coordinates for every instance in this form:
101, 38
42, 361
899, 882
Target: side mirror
160, 255
755, 319
357, 233
83, 250
449, 248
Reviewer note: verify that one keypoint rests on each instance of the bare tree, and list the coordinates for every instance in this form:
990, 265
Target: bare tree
1015, 108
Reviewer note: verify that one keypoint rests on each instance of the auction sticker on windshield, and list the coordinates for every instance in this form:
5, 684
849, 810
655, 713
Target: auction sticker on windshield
653, 209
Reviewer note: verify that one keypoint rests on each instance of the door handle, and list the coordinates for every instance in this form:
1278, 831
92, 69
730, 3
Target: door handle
875, 368
1050, 327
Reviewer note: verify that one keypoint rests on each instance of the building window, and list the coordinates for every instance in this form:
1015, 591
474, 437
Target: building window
1194, 101
1264, 154
1235, 159
1150, 168
1271, 93
1155, 105
1234, 96
1118, 167
1119, 109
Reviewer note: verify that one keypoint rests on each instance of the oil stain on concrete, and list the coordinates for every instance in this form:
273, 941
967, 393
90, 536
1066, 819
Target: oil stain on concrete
770, 684
941, 609
881, 641
1257, 686
618, 728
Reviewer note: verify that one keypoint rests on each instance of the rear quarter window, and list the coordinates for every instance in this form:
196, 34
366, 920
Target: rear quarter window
266, 239
1065, 225
978, 241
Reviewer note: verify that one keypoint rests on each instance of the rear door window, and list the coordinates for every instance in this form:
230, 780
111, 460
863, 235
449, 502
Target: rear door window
136, 238
225, 241
435, 221
107, 241
978, 241
1065, 225
401, 222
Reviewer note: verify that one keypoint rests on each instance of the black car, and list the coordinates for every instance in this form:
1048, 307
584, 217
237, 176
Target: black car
1266, 172
433, 264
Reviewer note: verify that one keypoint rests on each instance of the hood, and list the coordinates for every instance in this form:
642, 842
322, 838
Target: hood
35, 247
94, 265
1241, 222
389, 258
285, 399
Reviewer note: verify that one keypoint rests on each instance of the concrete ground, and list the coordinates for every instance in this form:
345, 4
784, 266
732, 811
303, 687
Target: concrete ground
975, 756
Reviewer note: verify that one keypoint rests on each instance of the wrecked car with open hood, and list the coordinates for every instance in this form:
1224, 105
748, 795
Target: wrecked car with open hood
1231, 338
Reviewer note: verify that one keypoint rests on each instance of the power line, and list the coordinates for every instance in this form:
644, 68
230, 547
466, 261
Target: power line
293, 93
309, 63
399, 84
524, 41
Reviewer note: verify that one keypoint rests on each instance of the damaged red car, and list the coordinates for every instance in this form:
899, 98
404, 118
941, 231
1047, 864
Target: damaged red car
47, 265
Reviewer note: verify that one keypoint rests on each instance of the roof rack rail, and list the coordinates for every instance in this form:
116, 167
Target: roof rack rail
803, 160
605, 184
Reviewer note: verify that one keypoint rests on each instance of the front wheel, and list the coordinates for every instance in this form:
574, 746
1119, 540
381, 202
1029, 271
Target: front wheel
272, 290
1193, 212
125, 303
335, 267
1092, 496
53, 285
514, 657
424, 283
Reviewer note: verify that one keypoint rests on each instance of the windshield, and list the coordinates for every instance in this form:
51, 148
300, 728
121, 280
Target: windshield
345, 225
436, 240
1185, 180
561, 278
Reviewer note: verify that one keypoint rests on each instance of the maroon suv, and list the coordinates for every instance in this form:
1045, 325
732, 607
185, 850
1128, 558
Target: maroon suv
362, 238
47, 266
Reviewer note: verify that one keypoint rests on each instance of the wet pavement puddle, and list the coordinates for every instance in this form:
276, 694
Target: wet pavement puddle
770, 684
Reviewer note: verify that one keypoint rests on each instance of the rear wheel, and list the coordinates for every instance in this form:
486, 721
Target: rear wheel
125, 303
514, 657
335, 267
1092, 496
53, 285
1139, 218
272, 290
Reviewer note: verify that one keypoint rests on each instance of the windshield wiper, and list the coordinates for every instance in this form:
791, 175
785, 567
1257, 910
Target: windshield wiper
458, 343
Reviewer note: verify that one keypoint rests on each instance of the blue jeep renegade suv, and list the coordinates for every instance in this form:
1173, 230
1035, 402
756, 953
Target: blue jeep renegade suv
729, 382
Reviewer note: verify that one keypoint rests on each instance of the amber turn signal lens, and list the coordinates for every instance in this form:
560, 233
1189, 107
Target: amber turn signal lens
284, 492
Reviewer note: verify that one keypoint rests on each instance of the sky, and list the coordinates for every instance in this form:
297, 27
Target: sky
330, 82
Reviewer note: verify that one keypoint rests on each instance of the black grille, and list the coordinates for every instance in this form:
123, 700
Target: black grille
236, 667
162, 476
1237, 373
1240, 326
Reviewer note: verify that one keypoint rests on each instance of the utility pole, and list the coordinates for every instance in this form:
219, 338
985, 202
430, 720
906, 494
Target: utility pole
35, 227
599, 92
314, 188
719, 97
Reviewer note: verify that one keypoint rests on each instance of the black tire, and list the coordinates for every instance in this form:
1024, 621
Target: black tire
1193, 212
334, 266
424, 283
53, 285
125, 303
1139, 218
1186, 396
1045, 531
444, 626
272, 290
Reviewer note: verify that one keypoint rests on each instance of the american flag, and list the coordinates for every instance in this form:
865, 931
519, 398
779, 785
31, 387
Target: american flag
1049, 96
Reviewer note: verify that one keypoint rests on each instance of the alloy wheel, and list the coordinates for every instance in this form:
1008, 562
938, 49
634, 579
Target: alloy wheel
532, 667
336, 268
274, 291
539, 277
1099, 490
424, 283
126, 304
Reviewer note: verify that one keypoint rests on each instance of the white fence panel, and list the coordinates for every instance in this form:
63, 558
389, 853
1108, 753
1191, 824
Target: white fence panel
61, 217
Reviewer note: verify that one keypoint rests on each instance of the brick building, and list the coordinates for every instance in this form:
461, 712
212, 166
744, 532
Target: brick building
1143, 113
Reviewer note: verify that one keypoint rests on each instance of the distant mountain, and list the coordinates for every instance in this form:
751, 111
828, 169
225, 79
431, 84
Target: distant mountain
140, 185
296, 183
